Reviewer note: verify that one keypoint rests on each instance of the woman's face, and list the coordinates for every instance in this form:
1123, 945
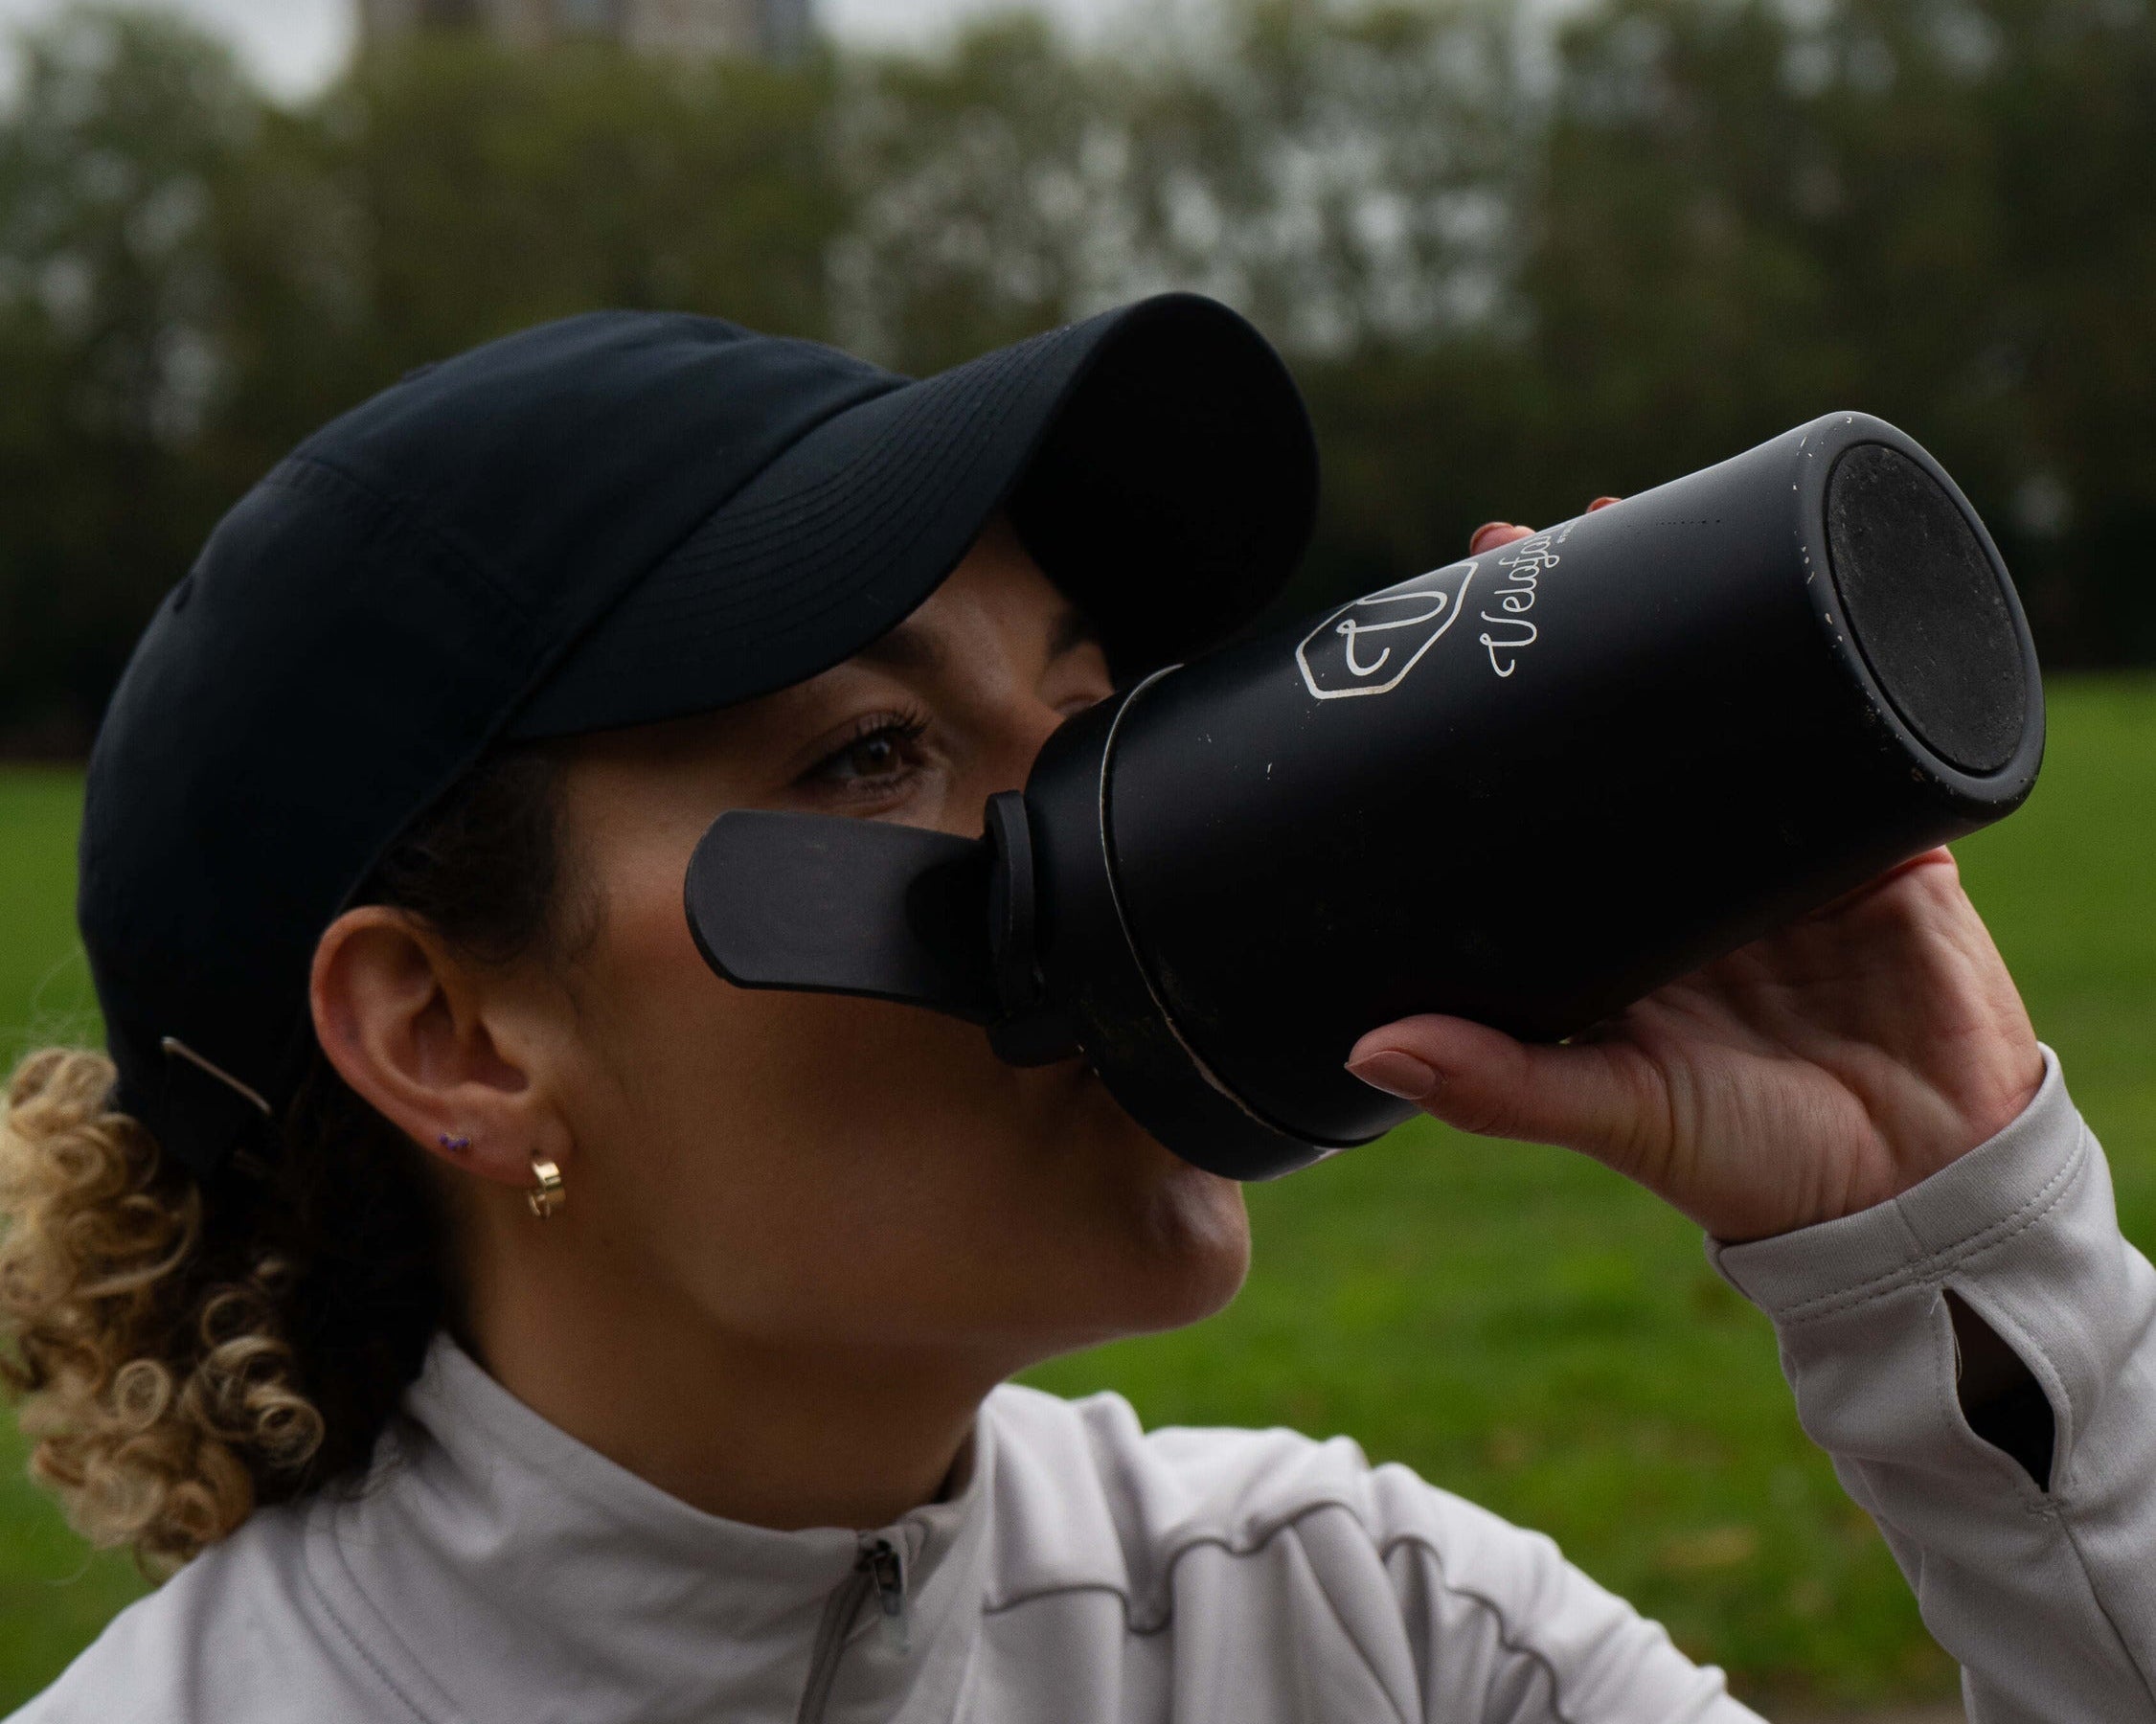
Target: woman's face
805, 1168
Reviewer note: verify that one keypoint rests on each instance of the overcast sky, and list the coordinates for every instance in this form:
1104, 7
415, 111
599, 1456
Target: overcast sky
296, 45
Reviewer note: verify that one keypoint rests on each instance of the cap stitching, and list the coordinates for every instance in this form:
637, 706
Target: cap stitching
872, 464
868, 480
802, 600
303, 472
829, 530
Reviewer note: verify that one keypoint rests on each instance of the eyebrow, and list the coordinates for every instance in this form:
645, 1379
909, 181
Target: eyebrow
911, 647
906, 647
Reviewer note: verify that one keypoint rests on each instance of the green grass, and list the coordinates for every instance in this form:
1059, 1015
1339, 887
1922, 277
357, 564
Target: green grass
1515, 1323
54, 1593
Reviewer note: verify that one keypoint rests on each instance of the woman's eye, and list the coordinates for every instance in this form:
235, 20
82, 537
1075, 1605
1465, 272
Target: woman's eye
883, 751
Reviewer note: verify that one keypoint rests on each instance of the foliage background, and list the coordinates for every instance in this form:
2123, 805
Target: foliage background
1513, 267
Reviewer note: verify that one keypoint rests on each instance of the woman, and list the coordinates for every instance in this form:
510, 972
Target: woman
501, 1316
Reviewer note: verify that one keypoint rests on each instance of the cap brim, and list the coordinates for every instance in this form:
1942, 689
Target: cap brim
1157, 461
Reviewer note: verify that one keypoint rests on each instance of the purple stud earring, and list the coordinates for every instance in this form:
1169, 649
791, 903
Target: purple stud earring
456, 1146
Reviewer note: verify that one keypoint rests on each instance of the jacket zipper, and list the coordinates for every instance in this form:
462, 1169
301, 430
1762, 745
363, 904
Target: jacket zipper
879, 1570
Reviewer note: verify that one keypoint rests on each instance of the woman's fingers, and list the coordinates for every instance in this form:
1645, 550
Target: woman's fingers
1586, 1095
1492, 534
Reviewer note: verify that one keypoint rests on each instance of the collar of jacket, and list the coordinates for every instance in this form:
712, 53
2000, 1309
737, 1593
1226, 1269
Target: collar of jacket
508, 1571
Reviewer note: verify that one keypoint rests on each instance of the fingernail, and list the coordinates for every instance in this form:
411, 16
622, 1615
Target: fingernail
1476, 538
1602, 503
1396, 1073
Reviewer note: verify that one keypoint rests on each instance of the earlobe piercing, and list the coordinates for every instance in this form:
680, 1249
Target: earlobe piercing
547, 1194
456, 1146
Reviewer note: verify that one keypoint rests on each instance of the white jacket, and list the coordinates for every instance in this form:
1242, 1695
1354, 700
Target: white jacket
496, 1570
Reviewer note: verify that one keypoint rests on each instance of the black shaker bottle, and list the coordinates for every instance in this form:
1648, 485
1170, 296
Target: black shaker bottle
1525, 788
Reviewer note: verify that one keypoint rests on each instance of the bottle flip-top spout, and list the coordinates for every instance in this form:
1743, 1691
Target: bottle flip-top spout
823, 904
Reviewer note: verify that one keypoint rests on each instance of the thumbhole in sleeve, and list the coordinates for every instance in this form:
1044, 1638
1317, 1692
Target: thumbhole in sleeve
2001, 1397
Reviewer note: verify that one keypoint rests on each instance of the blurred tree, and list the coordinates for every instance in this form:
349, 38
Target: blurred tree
1512, 268
1342, 179
1939, 211
123, 138
494, 189
1353, 182
1738, 215
191, 279
2069, 106
450, 190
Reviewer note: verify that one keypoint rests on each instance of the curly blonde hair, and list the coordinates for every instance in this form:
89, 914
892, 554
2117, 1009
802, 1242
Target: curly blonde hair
149, 1416
185, 1350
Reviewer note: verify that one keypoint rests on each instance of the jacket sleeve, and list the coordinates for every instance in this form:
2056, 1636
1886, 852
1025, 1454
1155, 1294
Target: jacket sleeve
2043, 1588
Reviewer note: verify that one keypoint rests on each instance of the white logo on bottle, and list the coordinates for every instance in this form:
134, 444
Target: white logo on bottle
1367, 648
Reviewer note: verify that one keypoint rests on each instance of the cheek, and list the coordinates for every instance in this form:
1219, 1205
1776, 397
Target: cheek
800, 1164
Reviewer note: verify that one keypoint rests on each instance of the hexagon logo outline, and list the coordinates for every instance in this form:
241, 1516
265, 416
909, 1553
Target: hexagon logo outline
1446, 586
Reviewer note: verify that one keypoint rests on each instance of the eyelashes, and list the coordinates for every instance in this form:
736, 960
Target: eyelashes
881, 752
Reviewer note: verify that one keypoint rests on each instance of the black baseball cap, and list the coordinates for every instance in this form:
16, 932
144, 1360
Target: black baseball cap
609, 520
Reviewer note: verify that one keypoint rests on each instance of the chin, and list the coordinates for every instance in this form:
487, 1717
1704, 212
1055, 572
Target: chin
1197, 1248
1166, 1243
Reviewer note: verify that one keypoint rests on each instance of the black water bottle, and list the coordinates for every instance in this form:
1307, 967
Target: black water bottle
1525, 788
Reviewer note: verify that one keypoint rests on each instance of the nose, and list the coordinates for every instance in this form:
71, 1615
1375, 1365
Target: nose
1023, 724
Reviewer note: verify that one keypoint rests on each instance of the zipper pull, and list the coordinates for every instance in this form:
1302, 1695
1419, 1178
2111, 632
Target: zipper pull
881, 1559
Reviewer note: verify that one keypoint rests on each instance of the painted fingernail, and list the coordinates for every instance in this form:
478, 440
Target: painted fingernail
1396, 1073
1476, 538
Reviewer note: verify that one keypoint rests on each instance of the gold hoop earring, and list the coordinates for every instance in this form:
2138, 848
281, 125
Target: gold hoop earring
547, 1194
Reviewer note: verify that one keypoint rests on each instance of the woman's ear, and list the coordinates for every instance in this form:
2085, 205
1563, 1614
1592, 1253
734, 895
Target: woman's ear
416, 1033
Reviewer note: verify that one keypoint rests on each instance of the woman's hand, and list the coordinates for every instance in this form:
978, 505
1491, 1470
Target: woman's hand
1826, 1068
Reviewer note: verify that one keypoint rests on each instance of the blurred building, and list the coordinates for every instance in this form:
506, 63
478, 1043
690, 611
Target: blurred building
773, 29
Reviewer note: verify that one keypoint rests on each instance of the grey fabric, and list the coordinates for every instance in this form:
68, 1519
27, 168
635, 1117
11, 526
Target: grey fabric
494, 1568
2048, 1598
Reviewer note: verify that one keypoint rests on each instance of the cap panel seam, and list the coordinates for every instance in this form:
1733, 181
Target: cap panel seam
405, 517
335, 485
